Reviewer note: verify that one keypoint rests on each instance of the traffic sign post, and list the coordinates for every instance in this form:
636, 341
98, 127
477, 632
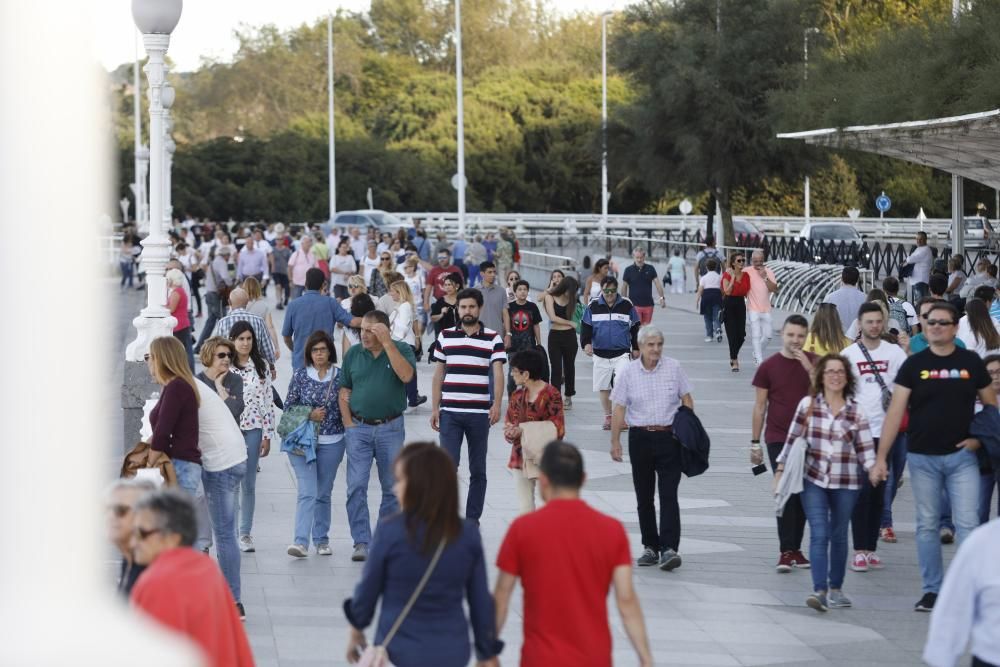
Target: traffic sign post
883, 204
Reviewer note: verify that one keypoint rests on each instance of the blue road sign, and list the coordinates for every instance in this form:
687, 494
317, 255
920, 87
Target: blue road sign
883, 203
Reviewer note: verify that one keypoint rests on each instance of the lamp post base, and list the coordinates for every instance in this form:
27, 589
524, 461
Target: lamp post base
148, 327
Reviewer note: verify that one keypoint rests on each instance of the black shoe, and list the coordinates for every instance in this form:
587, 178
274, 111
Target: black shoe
242, 612
648, 558
669, 560
926, 603
420, 401
279, 307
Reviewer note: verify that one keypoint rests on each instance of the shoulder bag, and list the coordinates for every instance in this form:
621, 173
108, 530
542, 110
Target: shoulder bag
376, 656
904, 424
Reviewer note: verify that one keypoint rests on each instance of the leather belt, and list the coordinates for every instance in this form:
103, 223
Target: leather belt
654, 428
375, 422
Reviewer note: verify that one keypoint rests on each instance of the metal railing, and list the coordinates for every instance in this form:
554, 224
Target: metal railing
804, 286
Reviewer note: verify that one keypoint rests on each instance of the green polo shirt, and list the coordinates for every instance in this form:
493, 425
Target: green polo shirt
376, 390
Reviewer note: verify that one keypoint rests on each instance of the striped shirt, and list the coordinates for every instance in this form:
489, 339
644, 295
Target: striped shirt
468, 364
651, 397
260, 332
840, 445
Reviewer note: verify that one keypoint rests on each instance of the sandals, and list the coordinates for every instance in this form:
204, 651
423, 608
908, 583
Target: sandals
734, 365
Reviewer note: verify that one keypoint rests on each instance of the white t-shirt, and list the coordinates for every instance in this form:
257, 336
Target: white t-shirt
367, 264
359, 246
353, 337
887, 358
401, 323
921, 258
968, 337
344, 263
219, 437
711, 280
416, 283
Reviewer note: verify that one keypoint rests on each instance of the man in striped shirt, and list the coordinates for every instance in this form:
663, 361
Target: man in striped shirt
463, 402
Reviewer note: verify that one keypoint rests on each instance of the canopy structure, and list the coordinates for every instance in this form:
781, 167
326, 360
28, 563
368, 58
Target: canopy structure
965, 146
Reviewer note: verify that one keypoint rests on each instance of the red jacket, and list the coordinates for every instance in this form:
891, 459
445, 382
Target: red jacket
185, 591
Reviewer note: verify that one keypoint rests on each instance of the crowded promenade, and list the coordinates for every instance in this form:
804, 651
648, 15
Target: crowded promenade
718, 589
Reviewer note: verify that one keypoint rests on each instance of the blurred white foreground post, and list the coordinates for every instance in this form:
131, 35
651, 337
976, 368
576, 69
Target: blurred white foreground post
58, 606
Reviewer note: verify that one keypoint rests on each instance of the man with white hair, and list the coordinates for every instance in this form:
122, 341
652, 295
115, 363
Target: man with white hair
762, 285
647, 394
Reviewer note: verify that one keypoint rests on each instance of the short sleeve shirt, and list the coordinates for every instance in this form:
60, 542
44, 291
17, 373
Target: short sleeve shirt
523, 318
759, 297
651, 397
943, 392
565, 598
468, 374
787, 383
640, 284
376, 390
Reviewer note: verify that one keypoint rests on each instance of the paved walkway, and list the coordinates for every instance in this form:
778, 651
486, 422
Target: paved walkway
724, 606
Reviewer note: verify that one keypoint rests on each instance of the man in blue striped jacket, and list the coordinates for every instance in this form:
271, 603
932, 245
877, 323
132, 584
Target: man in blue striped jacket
609, 333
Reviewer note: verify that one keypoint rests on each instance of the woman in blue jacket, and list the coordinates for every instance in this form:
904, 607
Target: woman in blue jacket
435, 631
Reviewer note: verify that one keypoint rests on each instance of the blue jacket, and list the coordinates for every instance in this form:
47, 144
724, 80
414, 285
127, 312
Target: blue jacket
436, 631
302, 440
612, 330
694, 439
986, 428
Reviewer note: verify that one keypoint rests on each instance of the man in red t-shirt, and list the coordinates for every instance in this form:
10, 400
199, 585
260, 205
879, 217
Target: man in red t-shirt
566, 590
434, 289
182, 588
781, 382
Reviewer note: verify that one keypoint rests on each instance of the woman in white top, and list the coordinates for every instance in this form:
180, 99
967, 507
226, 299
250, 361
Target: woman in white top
678, 270
593, 287
414, 277
259, 307
709, 299
978, 330
257, 422
342, 266
401, 327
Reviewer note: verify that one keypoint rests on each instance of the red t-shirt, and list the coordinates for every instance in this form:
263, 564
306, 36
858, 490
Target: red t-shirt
435, 275
185, 591
787, 383
565, 554
741, 286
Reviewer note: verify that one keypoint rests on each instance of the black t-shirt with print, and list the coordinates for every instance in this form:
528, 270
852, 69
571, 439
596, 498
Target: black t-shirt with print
523, 319
943, 393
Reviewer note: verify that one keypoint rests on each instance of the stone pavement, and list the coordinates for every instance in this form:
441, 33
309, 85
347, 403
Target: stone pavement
724, 606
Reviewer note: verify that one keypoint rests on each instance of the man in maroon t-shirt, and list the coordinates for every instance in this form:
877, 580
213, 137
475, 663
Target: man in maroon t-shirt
566, 589
434, 289
782, 381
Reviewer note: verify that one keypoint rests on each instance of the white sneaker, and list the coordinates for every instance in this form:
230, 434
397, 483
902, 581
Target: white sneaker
568, 403
708, 339
246, 544
324, 550
298, 551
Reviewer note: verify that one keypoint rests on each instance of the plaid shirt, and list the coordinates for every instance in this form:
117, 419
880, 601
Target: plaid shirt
840, 445
260, 332
651, 397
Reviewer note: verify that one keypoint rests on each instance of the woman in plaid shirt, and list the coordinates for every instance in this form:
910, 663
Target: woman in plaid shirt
840, 447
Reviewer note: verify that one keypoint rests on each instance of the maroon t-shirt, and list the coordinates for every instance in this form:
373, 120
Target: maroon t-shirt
787, 383
437, 274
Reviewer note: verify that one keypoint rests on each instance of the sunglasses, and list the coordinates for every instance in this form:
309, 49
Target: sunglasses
741, 261
386, 259
146, 357
609, 291
223, 355
940, 323
144, 533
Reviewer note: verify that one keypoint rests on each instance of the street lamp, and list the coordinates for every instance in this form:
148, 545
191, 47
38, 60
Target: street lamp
604, 119
155, 19
459, 181
331, 147
167, 100
805, 77
141, 152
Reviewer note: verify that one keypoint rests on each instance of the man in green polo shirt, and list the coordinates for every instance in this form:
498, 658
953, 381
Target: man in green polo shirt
372, 400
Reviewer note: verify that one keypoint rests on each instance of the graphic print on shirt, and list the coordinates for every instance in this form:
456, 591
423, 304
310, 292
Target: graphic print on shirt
867, 373
945, 374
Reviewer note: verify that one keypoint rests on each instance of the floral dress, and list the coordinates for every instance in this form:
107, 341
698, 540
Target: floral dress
258, 401
548, 406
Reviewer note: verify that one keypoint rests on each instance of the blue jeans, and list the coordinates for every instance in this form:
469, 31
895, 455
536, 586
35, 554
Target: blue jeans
248, 488
897, 463
957, 475
189, 479
364, 443
475, 428
987, 481
297, 291
315, 481
222, 489
126, 267
214, 308
828, 512
712, 321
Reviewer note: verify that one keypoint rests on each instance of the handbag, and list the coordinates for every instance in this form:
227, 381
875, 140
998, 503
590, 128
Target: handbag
376, 656
135, 461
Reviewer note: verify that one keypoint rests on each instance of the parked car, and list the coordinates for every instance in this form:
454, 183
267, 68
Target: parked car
829, 231
831, 243
979, 234
380, 220
746, 232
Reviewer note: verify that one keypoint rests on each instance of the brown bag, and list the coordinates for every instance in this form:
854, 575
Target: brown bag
136, 459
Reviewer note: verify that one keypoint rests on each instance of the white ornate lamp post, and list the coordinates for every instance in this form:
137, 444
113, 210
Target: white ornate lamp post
604, 120
459, 181
155, 19
167, 100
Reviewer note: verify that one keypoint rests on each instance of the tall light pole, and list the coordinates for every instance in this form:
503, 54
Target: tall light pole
167, 100
333, 141
805, 77
604, 119
141, 152
459, 181
155, 19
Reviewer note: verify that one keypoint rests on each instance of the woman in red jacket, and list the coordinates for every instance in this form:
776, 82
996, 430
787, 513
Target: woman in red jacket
735, 285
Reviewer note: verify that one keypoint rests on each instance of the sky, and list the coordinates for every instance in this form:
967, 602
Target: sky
206, 26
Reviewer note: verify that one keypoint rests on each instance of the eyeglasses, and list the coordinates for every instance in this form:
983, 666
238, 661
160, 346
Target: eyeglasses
119, 510
223, 355
611, 290
323, 348
835, 371
994, 373
146, 357
144, 533
940, 323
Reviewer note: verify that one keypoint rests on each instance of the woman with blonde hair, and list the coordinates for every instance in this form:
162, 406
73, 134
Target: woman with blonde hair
174, 419
401, 327
258, 306
826, 335
414, 277
355, 287
177, 304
